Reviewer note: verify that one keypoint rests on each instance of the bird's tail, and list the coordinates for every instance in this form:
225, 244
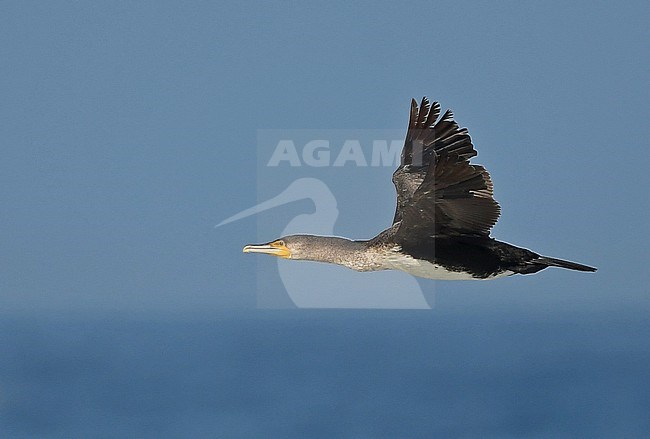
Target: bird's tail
552, 262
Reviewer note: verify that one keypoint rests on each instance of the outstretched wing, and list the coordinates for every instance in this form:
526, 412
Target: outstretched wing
438, 191
426, 136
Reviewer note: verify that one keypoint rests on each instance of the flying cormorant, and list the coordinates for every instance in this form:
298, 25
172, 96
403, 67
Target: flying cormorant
445, 210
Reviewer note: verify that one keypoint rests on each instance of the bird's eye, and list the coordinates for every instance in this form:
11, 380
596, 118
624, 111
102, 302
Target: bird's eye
280, 243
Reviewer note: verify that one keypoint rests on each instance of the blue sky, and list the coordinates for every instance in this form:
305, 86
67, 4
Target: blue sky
130, 130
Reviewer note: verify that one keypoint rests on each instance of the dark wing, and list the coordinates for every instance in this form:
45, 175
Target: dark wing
425, 138
455, 198
443, 194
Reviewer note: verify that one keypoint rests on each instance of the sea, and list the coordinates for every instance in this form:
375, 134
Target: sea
326, 374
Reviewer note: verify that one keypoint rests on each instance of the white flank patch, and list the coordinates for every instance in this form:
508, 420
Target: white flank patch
421, 268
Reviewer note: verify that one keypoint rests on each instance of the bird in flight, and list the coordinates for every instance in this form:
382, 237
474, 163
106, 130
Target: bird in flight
445, 210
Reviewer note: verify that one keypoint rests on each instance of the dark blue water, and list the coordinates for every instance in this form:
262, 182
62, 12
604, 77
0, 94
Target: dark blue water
327, 374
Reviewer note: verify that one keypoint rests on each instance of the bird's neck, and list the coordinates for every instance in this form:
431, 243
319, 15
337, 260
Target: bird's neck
334, 250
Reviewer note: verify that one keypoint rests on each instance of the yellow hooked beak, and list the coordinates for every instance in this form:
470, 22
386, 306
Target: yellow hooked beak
275, 248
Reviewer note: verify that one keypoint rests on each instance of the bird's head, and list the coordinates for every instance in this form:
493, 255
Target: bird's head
304, 247
330, 249
287, 247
